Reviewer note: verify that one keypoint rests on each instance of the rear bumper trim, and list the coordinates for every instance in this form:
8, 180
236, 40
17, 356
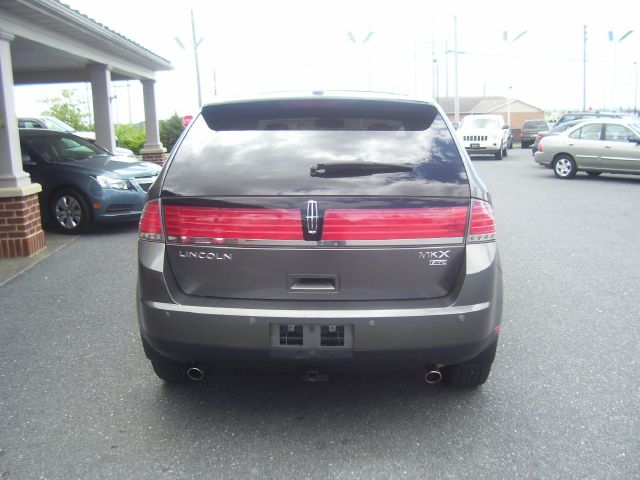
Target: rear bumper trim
321, 314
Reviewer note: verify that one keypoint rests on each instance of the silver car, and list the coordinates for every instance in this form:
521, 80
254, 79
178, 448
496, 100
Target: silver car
320, 232
602, 145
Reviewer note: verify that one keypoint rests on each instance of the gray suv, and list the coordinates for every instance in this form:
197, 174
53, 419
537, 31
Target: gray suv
320, 232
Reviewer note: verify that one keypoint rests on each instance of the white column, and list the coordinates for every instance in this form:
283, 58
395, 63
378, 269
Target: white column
11, 173
101, 91
153, 144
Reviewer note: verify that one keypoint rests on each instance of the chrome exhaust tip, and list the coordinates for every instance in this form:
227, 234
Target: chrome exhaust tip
433, 376
195, 373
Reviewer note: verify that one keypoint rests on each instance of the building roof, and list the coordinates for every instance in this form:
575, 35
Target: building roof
480, 104
55, 43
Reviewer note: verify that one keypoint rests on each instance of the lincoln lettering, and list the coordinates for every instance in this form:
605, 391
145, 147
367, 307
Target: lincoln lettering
205, 255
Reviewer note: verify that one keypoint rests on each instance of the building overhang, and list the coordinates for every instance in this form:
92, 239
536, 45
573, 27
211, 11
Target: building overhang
56, 44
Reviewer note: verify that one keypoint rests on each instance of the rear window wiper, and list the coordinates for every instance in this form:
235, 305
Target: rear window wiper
356, 169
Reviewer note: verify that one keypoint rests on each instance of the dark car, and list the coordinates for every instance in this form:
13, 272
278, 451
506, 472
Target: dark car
530, 129
81, 182
320, 232
558, 129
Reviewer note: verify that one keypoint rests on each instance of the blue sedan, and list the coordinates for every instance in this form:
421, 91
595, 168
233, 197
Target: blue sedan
83, 183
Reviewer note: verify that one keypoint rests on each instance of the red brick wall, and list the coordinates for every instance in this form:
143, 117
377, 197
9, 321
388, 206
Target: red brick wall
21, 232
158, 158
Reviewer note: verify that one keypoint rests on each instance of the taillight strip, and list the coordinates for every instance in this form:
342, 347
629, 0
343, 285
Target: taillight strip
220, 224
341, 227
393, 224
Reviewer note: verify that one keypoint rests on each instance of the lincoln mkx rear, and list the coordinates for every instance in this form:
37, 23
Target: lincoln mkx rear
319, 233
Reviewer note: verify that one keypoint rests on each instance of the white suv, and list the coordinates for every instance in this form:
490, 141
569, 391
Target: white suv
485, 135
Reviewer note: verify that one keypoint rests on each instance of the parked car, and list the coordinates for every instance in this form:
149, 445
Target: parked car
603, 145
530, 129
53, 123
554, 131
570, 116
485, 135
319, 232
81, 182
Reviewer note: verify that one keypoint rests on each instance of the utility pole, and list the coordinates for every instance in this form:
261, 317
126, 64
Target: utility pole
456, 100
446, 68
505, 36
434, 70
635, 96
615, 61
584, 70
196, 44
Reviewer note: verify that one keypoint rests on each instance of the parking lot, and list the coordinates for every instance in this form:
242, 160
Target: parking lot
79, 400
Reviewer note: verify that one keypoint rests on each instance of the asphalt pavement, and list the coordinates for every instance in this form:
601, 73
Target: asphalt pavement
78, 400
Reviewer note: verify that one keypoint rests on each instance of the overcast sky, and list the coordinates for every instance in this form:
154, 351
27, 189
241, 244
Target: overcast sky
255, 46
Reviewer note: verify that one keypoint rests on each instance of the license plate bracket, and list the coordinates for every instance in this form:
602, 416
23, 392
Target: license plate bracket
312, 338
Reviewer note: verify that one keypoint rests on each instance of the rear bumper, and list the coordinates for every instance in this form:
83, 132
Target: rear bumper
357, 360
542, 158
441, 331
491, 150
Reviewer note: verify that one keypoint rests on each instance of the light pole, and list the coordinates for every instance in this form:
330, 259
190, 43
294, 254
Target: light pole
196, 44
363, 42
615, 60
635, 92
505, 36
456, 99
584, 68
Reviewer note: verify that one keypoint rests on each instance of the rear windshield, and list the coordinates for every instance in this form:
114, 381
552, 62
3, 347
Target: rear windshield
535, 124
471, 122
326, 147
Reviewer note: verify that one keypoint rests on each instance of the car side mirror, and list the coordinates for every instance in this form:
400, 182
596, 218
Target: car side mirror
505, 127
635, 140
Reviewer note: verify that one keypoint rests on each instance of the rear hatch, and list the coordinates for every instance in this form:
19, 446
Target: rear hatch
322, 199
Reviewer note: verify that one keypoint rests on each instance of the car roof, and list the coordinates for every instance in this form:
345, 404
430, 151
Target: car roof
606, 120
41, 132
609, 120
484, 115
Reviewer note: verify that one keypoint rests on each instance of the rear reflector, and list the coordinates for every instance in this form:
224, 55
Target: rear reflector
390, 224
483, 225
150, 227
211, 225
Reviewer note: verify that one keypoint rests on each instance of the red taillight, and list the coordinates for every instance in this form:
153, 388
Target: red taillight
389, 224
521, 133
150, 227
483, 225
539, 147
218, 225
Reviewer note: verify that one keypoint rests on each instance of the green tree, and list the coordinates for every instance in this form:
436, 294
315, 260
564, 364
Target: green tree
170, 130
131, 136
69, 109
